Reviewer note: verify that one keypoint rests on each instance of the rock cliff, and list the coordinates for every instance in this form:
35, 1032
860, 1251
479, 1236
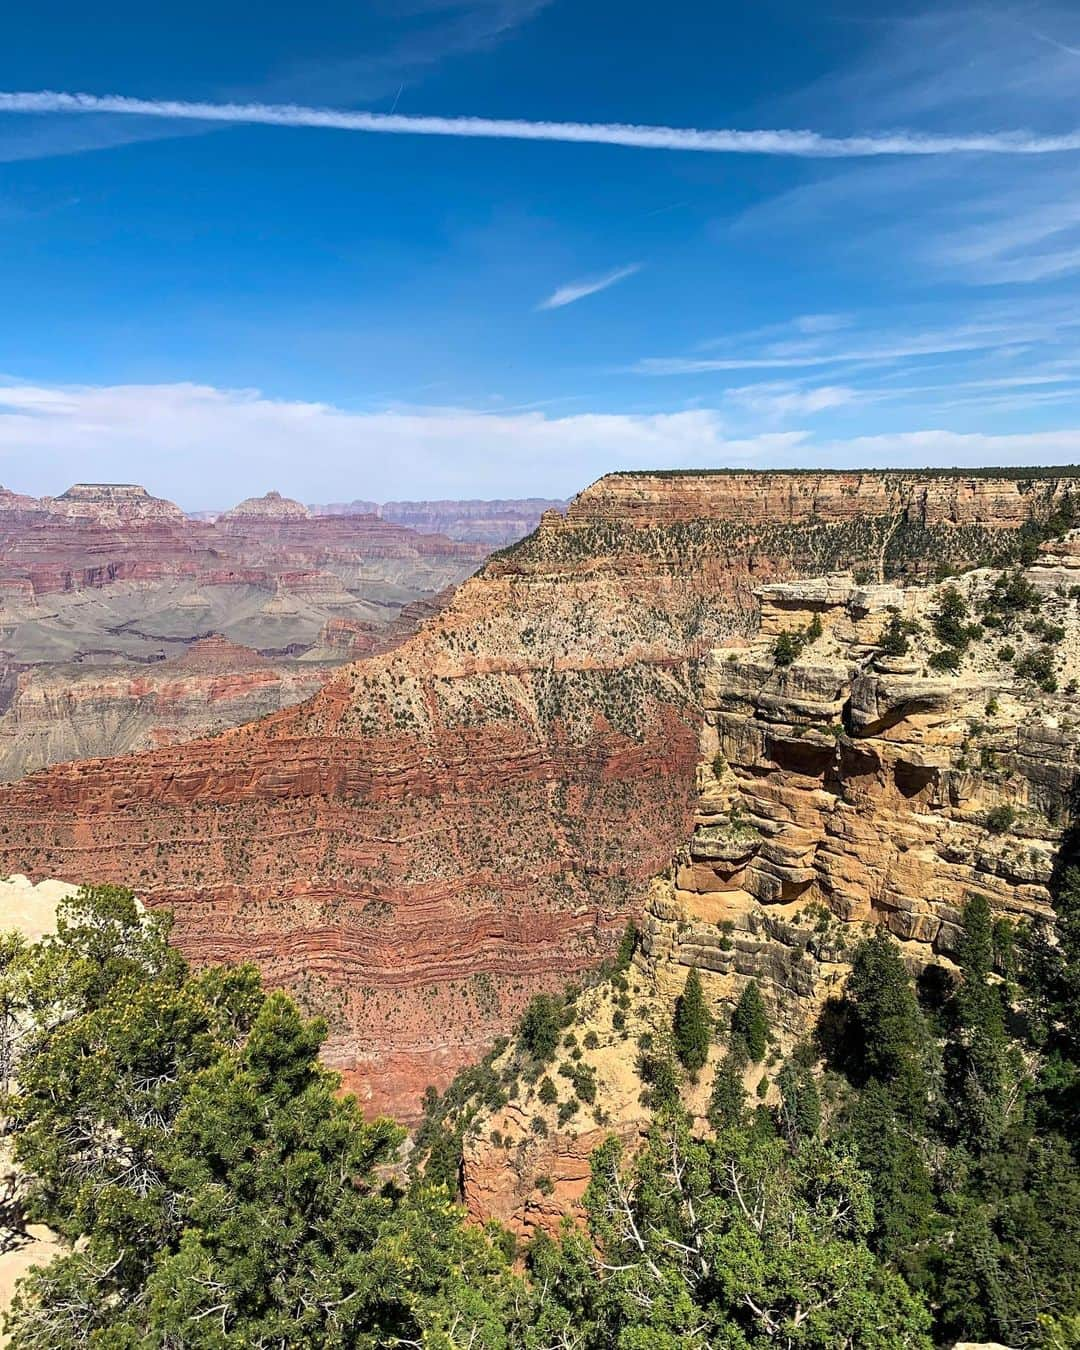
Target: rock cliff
270, 506
111, 504
449, 827
866, 782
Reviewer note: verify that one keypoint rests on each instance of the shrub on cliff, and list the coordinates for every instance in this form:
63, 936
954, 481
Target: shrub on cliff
1038, 667
946, 660
786, 648
1000, 819
628, 944
947, 620
541, 1027
894, 636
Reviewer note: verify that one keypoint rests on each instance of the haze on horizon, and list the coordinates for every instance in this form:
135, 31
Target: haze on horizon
215, 307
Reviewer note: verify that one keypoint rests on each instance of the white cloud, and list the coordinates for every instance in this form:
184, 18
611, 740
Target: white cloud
578, 290
912, 338
822, 323
207, 447
801, 143
944, 68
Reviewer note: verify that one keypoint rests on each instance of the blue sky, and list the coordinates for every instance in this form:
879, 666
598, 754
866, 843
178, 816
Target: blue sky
216, 308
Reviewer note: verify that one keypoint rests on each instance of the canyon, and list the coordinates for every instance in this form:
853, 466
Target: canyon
447, 827
125, 624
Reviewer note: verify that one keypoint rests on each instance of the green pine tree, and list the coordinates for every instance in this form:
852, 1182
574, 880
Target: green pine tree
693, 1024
749, 1021
540, 1027
890, 1037
887, 1057
627, 947
977, 1057
799, 1116
727, 1102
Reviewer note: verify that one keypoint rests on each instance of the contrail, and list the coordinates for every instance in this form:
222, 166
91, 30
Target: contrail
803, 144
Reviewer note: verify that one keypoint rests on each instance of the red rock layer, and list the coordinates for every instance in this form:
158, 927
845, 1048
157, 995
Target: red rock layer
449, 827
70, 712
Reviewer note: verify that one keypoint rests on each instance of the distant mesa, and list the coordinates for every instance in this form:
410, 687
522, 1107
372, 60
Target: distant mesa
270, 506
17, 501
110, 502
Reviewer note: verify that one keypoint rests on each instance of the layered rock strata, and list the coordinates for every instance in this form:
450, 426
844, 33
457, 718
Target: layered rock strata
447, 828
69, 712
99, 585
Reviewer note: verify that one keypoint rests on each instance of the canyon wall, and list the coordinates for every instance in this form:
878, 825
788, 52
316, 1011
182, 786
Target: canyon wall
849, 789
447, 828
70, 711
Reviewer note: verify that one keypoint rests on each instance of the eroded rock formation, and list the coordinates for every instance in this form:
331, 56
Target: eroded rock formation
68, 712
847, 789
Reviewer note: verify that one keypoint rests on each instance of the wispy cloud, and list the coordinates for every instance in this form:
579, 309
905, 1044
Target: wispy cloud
944, 68
787, 357
822, 323
803, 144
778, 401
1016, 335
578, 290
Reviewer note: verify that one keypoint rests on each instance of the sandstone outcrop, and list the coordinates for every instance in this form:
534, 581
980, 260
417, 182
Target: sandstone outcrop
446, 828
270, 506
111, 504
